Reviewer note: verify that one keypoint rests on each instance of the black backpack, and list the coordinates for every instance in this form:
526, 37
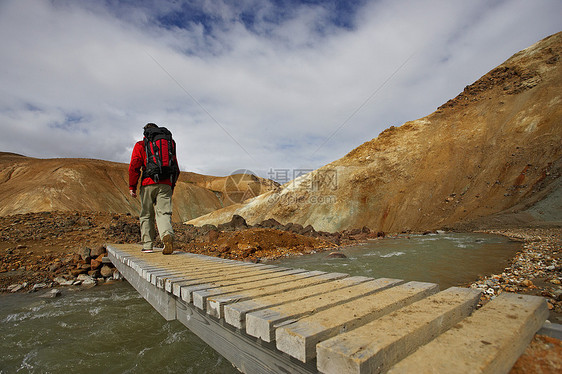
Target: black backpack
161, 162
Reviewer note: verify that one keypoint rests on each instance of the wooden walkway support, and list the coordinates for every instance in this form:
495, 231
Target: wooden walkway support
269, 319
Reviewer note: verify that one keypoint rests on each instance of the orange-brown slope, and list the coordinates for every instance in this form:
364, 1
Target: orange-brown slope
494, 148
34, 185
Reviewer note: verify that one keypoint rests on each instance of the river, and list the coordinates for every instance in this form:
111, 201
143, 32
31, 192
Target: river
111, 329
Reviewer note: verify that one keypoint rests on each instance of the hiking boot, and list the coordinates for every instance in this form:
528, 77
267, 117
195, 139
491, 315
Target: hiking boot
147, 250
168, 245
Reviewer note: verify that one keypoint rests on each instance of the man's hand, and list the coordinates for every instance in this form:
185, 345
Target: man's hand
133, 193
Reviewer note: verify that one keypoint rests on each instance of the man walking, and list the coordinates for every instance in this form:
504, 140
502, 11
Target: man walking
156, 156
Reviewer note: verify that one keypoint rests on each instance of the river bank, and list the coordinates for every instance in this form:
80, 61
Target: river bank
535, 270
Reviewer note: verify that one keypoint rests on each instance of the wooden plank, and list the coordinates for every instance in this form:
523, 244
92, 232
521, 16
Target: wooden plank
376, 346
262, 323
222, 275
160, 278
215, 299
216, 304
187, 288
199, 297
188, 274
299, 339
235, 314
489, 341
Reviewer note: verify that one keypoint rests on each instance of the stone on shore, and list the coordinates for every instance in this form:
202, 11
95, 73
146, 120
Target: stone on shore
86, 280
52, 294
106, 271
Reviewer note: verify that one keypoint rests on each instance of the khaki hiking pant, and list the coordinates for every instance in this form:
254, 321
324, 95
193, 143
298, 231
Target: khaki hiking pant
156, 204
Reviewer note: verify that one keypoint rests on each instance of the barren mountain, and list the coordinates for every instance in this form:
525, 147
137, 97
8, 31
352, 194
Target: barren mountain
489, 157
36, 185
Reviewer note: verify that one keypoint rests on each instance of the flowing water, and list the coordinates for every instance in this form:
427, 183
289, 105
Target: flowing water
446, 259
111, 329
106, 329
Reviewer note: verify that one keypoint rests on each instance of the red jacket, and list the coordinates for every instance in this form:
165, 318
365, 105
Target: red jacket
138, 162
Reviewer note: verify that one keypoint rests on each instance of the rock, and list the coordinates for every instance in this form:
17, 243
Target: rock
85, 254
106, 271
86, 280
39, 286
55, 266
293, 227
98, 251
51, 294
12, 287
527, 283
336, 255
270, 224
554, 281
63, 282
238, 222
95, 264
224, 248
308, 231
76, 272
94, 273
354, 231
106, 260
203, 230
116, 275
213, 235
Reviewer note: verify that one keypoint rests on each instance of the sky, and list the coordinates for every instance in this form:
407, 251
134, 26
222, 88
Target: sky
271, 86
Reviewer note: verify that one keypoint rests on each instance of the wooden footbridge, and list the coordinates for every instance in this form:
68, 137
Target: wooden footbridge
269, 319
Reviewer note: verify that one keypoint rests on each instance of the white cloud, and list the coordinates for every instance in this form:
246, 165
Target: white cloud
81, 80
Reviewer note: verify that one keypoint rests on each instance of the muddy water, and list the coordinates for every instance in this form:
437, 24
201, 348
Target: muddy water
446, 259
107, 329
111, 329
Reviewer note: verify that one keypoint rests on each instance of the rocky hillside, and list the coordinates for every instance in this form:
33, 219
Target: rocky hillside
36, 185
489, 157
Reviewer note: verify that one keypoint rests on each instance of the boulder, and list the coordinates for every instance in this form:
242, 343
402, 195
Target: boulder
85, 254
95, 264
77, 271
63, 282
203, 230
86, 279
39, 286
270, 224
106, 271
98, 251
308, 231
238, 222
213, 235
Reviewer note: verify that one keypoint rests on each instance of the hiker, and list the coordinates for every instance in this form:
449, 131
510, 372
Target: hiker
156, 156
